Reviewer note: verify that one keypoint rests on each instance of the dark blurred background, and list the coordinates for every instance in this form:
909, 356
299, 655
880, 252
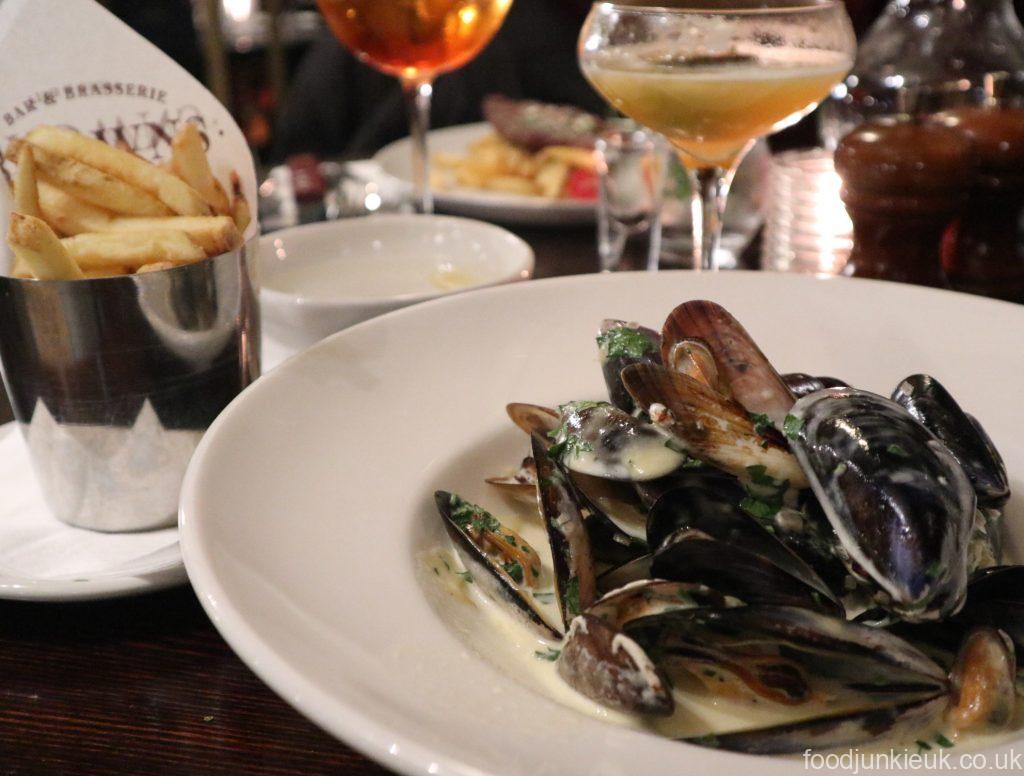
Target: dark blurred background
294, 89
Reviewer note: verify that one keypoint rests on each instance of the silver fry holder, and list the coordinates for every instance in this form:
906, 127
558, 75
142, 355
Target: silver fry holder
114, 380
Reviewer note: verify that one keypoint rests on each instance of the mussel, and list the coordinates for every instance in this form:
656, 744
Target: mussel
619, 345
931, 404
708, 426
498, 560
598, 439
751, 378
899, 502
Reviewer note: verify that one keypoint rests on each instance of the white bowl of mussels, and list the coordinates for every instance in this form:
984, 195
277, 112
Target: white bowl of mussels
625, 524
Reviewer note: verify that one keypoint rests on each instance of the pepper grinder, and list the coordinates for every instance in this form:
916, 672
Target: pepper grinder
903, 182
985, 250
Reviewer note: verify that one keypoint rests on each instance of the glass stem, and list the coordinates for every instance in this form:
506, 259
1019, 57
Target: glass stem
710, 187
417, 103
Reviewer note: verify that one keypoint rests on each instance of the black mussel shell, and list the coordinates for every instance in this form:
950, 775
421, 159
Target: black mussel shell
900, 504
792, 655
494, 580
742, 569
801, 384
572, 558
621, 344
931, 404
636, 570
694, 473
832, 731
995, 597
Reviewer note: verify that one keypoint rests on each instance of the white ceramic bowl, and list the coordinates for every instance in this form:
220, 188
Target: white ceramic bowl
320, 278
307, 507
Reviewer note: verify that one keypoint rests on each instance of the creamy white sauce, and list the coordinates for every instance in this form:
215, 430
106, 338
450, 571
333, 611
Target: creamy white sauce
354, 279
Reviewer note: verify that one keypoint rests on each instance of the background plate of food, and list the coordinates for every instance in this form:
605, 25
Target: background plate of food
311, 531
529, 164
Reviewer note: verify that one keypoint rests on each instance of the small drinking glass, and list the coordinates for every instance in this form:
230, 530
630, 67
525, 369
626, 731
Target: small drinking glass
631, 167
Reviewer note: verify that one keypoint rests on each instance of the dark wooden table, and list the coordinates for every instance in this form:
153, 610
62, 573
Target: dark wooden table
146, 685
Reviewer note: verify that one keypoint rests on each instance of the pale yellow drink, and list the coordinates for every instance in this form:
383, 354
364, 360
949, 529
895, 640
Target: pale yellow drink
710, 109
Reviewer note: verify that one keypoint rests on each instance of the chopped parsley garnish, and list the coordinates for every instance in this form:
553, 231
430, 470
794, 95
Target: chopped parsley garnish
898, 451
922, 746
934, 570
549, 654
759, 476
755, 507
625, 342
570, 447
791, 426
674, 446
571, 597
514, 570
469, 516
465, 576
693, 463
944, 742
761, 422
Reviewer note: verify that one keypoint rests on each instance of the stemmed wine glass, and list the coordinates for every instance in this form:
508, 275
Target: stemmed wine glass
713, 76
415, 40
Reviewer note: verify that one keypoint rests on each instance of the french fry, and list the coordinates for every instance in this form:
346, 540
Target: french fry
156, 266
214, 234
574, 157
173, 192
131, 249
26, 195
511, 184
26, 199
69, 215
189, 162
35, 244
551, 178
239, 206
95, 186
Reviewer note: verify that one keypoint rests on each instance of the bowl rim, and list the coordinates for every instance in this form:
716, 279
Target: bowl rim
278, 298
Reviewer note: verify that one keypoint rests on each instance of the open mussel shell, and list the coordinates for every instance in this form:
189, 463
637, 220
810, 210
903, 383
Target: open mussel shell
603, 441
933, 406
610, 668
604, 664
693, 358
617, 502
751, 378
706, 425
716, 513
692, 555
832, 731
573, 561
900, 504
525, 478
492, 578
836, 669
801, 384
533, 418
619, 345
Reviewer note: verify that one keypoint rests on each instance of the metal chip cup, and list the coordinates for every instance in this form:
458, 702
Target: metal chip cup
114, 380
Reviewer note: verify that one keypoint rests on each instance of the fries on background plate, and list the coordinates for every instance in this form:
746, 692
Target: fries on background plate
85, 209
